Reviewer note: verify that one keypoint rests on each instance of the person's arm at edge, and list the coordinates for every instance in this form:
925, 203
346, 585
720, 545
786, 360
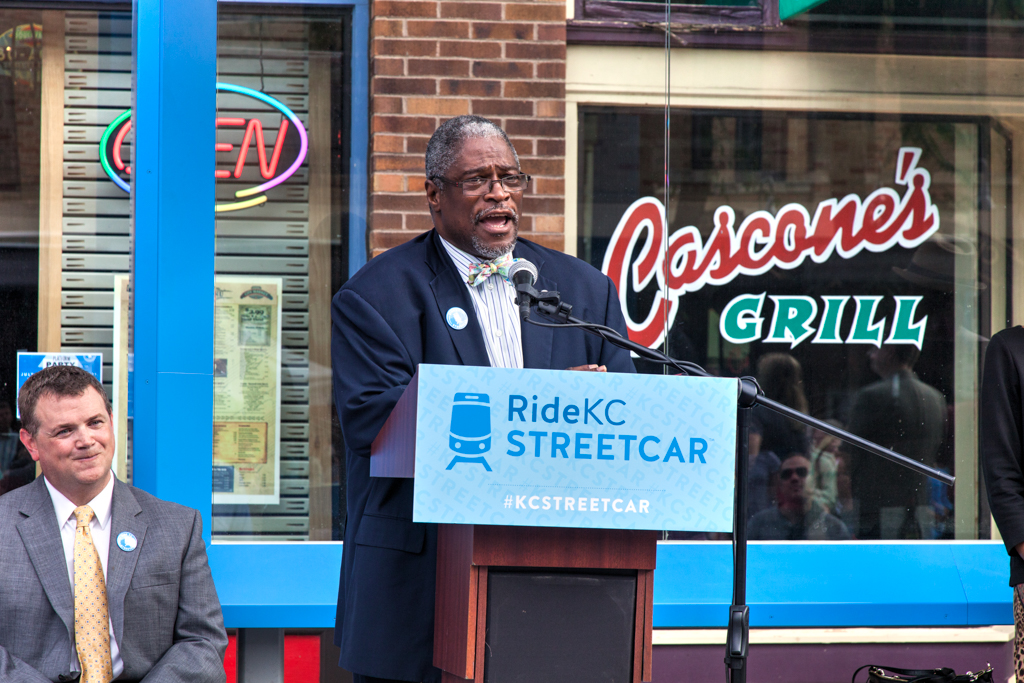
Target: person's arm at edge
371, 369
1001, 443
197, 655
612, 357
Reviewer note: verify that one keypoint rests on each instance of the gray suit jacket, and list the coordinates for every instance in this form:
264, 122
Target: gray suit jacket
162, 601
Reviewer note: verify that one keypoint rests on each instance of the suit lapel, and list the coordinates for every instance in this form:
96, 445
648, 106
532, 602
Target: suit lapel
121, 564
537, 341
41, 535
450, 292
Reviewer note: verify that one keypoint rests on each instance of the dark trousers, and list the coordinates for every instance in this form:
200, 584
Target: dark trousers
360, 678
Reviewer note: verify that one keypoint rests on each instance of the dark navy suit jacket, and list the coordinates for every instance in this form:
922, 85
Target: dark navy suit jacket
389, 318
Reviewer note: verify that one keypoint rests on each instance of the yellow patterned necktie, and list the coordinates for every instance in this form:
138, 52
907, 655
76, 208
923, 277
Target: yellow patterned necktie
92, 625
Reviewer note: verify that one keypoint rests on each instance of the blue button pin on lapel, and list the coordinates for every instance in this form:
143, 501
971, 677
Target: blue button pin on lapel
456, 318
126, 541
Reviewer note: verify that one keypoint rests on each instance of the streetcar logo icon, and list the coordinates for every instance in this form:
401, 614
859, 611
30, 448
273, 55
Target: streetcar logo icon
470, 433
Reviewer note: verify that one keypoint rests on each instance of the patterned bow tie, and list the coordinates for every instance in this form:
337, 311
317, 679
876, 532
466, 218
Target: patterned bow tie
481, 271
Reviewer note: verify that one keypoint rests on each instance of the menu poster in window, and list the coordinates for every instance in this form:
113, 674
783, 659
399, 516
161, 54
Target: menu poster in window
120, 379
246, 390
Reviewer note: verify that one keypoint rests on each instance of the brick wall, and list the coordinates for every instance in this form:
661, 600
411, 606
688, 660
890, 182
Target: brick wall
434, 60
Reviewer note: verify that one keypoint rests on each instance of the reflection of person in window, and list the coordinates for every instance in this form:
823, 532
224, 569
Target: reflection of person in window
773, 436
781, 378
824, 475
796, 516
908, 416
8, 437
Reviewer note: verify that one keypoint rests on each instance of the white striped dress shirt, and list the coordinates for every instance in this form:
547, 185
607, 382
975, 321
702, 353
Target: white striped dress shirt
495, 303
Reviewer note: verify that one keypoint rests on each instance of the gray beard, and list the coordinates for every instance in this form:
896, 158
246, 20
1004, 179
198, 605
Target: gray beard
492, 252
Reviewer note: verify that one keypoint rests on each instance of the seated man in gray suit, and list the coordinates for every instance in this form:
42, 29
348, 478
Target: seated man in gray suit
98, 578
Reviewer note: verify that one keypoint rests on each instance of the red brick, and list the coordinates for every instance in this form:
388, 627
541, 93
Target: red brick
387, 105
549, 148
387, 27
538, 127
544, 167
524, 146
533, 50
438, 67
404, 47
420, 222
404, 86
470, 88
552, 32
404, 124
549, 224
526, 223
501, 107
534, 12
502, 69
534, 89
438, 29
416, 144
381, 240
401, 203
503, 31
549, 186
551, 70
396, 162
472, 10
546, 204
403, 8
388, 143
452, 48
388, 66
550, 240
436, 106
386, 221
551, 108
415, 182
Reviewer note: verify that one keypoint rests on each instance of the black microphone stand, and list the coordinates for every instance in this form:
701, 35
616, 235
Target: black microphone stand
551, 305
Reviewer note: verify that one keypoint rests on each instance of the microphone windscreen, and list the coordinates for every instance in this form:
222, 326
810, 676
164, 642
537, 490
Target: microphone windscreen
522, 272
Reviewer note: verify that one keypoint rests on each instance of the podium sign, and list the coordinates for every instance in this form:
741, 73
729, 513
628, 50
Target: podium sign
574, 449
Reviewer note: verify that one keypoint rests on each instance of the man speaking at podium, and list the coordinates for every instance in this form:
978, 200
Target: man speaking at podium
441, 298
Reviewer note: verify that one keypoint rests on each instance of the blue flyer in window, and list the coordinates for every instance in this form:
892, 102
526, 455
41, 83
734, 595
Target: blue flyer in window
31, 363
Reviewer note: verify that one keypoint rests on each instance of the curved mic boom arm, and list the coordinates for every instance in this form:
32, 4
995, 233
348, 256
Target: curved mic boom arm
750, 394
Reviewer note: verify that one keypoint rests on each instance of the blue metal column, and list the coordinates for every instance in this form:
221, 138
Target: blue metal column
174, 101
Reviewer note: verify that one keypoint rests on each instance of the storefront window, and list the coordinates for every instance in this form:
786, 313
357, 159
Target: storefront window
64, 236
20, 61
855, 264
281, 204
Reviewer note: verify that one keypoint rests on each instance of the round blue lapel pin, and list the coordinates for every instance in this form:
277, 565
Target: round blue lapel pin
126, 541
456, 318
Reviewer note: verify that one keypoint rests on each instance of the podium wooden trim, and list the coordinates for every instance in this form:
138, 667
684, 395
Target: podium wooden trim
466, 553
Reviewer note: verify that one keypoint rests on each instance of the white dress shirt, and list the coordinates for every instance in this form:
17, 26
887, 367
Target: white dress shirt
495, 303
99, 527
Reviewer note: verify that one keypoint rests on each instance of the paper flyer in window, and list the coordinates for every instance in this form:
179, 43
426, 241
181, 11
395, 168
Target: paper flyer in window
247, 390
120, 379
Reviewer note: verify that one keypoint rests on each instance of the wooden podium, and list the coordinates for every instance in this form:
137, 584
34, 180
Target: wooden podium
535, 604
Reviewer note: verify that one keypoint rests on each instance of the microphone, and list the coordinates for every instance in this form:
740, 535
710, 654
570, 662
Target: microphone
523, 274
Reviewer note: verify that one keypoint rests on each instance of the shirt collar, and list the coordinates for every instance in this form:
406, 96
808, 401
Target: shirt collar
101, 504
463, 261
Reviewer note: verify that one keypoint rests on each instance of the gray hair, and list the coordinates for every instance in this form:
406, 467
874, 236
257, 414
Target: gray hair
446, 143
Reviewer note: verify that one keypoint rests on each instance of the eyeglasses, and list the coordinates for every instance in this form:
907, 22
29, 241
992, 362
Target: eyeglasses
788, 472
474, 187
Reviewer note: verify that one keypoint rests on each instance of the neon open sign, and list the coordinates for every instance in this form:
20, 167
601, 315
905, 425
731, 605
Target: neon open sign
114, 162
